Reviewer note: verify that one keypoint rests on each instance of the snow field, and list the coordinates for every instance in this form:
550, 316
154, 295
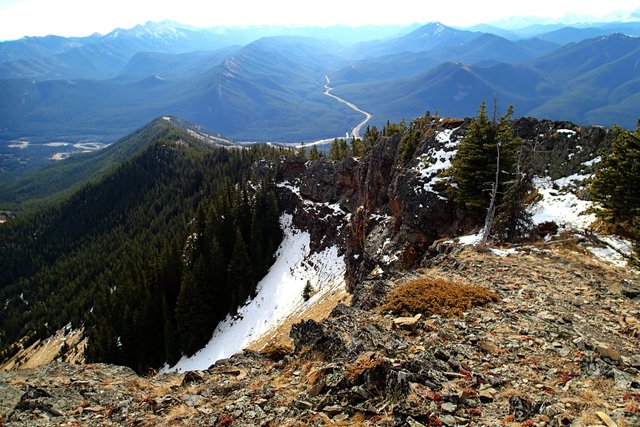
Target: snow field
278, 295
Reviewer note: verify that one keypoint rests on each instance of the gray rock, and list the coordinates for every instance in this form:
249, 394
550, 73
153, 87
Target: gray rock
604, 350
344, 335
449, 420
192, 400
522, 408
449, 407
9, 398
410, 422
552, 411
302, 404
407, 323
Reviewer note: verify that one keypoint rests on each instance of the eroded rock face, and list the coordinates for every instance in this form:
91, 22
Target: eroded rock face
376, 173
385, 211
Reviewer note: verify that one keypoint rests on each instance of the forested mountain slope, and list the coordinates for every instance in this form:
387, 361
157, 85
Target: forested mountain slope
120, 233
60, 178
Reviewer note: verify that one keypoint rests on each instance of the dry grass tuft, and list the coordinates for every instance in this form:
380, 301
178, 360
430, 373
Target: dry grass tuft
178, 414
450, 123
436, 296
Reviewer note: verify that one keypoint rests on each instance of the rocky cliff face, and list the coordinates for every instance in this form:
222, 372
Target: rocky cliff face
386, 212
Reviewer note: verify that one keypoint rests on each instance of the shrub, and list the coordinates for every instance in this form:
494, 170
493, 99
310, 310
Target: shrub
436, 296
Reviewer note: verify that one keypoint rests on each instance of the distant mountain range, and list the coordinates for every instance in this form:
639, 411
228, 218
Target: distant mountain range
99, 88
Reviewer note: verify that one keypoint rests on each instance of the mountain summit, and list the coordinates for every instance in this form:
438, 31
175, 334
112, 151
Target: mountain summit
433, 331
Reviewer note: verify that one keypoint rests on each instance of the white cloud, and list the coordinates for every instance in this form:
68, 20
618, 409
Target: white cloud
82, 17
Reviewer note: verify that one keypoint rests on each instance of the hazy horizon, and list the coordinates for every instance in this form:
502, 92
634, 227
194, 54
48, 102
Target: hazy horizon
76, 18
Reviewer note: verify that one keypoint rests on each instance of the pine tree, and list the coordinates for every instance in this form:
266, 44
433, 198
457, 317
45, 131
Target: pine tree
191, 316
240, 271
314, 153
408, 146
171, 341
617, 177
513, 221
474, 169
339, 149
616, 182
636, 231
357, 147
306, 292
472, 173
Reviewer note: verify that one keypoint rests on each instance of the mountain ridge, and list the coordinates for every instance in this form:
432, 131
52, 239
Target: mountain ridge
271, 89
364, 362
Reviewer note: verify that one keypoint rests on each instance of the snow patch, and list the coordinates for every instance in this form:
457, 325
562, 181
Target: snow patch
504, 252
608, 254
380, 217
278, 295
612, 253
293, 188
567, 132
441, 161
445, 135
593, 161
562, 207
434, 161
471, 239
571, 180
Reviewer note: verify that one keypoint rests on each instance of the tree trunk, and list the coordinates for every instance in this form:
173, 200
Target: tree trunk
491, 211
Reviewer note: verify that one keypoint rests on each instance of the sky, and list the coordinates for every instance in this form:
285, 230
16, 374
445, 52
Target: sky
83, 17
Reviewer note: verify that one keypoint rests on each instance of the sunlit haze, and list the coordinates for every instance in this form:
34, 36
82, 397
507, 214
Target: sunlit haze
19, 18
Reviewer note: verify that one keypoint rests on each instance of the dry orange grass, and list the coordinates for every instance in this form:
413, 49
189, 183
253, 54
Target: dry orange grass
436, 296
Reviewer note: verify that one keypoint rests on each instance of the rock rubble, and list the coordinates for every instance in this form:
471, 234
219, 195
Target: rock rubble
560, 347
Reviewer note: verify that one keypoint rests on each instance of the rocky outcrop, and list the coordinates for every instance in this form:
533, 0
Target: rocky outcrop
385, 211
344, 335
559, 348
560, 148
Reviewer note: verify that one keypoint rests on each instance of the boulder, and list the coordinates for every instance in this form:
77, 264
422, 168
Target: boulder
407, 323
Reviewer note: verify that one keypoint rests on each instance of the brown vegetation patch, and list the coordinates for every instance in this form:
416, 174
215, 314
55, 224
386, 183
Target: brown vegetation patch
449, 123
436, 296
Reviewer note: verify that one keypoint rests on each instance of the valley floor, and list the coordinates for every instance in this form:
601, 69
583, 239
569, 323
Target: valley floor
561, 347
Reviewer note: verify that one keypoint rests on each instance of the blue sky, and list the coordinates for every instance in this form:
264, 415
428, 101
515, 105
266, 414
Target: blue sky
83, 17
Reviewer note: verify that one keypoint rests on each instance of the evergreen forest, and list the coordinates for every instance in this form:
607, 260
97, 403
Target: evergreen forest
148, 258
